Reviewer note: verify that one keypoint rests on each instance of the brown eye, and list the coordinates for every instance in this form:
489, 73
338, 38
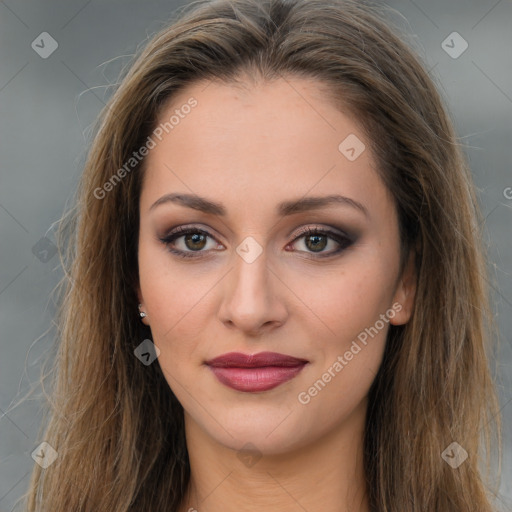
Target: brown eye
316, 240
194, 241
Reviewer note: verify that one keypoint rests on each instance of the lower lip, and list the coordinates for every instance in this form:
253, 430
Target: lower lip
255, 379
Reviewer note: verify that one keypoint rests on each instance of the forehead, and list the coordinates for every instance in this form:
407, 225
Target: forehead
260, 141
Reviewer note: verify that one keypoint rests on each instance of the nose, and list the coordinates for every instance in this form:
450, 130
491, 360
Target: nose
252, 298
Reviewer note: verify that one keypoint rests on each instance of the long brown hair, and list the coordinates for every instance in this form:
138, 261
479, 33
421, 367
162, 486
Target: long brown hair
116, 425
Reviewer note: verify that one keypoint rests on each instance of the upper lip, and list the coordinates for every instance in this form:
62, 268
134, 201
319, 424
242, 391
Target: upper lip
262, 359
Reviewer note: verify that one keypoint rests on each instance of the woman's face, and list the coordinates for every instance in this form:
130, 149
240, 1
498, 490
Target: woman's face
253, 168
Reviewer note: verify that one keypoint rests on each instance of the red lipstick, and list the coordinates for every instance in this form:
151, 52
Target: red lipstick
256, 372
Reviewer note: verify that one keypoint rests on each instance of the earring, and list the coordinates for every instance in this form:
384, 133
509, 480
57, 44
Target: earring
141, 313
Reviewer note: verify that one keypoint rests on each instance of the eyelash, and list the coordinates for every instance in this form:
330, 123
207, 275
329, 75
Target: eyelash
343, 240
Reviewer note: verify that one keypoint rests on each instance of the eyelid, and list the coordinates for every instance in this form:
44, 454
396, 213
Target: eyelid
185, 229
302, 231
325, 229
180, 231
338, 235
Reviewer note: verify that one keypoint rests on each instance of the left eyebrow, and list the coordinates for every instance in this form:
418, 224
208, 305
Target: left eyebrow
285, 208
313, 203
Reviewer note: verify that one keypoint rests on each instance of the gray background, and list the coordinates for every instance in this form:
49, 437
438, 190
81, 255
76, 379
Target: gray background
48, 107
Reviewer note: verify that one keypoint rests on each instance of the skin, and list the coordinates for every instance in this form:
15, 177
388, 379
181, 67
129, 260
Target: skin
250, 148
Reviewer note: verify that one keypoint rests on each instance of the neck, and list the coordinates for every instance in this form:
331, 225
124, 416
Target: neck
326, 475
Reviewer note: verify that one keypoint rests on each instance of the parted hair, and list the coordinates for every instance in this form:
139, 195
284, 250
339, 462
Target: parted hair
115, 423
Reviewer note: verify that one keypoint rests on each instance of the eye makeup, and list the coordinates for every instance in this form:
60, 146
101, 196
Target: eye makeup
194, 235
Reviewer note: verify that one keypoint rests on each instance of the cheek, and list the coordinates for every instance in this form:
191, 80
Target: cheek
348, 299
174, 297
349, 353
346, 332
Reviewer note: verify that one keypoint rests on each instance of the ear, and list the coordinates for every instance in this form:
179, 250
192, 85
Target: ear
405, 292
142, 306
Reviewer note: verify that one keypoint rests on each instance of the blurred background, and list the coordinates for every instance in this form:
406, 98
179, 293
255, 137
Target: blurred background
57, 57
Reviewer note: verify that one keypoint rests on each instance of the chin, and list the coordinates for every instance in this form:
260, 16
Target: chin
270, 432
